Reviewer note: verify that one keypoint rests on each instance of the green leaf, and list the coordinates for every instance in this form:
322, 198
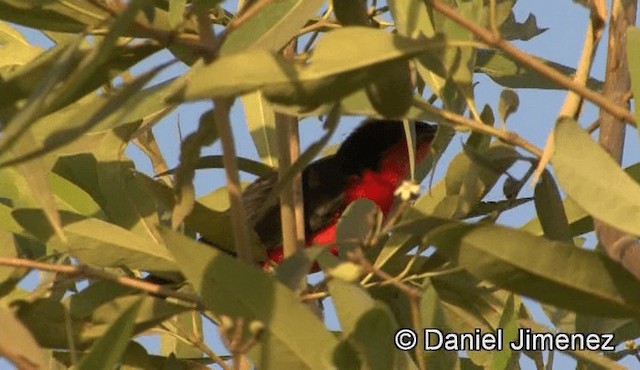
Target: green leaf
550, 209
91, 312
433, 316
579, 220
14, 47
107, 351
52, 15
351, 12
357, 222
36, 174
75, 198
512, 30
99, 305
633, 60
295, 268
244, 164
411, 17
261, 121
593, 358
392, 92
18, 344
552, 272
254, 295
368, 325
99, 243
507, 104
593, 179
36, 104
112, 110
470, 176
338, 67
76, 80
73, 16
187, 322
176, 12
358, 104
509, 325
272, 27
21, 82
509, 73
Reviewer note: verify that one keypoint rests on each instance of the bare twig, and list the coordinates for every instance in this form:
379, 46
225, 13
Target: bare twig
68, 328
83, 271
231, 334
413, 295
619, 246
197, 341
291, 201
491, 39
221, 113
506, 136
323, 292
593, 126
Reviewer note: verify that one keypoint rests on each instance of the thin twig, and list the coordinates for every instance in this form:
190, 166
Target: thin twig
593, 126
244, 16
83, 271
491, 39
197, 341
318, 294
413, 294
221, 113
506, 136
68, 328
291, 201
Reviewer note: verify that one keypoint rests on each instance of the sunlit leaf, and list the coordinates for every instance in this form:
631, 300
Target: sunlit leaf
253, 295
17, 343
272, 27
106, 352
594, 180
509, 73
633, 59
569, 277
261, 122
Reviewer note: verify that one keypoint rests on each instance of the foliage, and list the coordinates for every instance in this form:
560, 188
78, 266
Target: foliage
73, 205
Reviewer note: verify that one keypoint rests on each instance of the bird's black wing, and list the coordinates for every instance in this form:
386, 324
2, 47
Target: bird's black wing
323, 191
263, 218
324, 185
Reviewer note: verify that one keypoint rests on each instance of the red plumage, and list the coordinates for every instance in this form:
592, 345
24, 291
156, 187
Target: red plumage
371, 163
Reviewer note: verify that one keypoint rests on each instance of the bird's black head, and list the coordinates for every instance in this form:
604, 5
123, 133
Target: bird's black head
364, 148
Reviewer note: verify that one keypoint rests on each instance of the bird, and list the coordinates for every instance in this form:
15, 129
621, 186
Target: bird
371, 163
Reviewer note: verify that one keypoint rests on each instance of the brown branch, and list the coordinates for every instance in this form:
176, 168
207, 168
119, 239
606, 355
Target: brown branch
221, 113
506, 136
238, 214
619, 246
197, 341
291, 201
618, 111
86, 272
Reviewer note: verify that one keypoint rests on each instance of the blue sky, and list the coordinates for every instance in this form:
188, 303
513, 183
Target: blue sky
534, 119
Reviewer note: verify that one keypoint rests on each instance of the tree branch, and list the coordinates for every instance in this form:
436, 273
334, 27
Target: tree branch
83, 271
619, 246
616, 110
506, 136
